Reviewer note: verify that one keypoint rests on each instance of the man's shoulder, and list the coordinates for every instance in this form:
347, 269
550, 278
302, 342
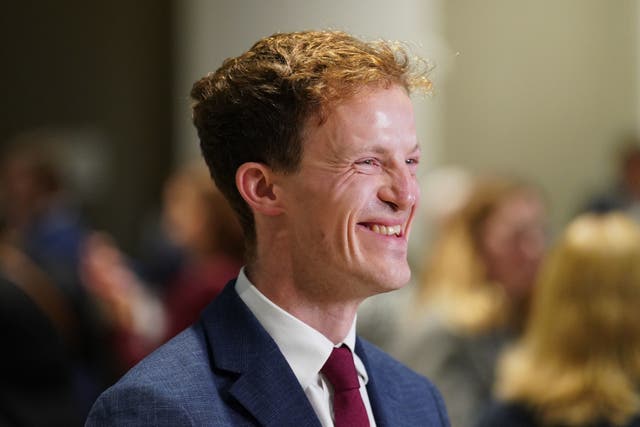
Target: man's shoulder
378, 359
164, 385
185, 355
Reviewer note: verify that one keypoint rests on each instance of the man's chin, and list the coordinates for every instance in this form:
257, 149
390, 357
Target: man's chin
392, 280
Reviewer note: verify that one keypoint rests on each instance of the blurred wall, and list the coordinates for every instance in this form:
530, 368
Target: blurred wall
544, 89
540, 89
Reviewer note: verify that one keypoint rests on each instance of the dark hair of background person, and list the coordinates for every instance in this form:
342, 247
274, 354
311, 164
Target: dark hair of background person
629, 165
624, 193
254, 108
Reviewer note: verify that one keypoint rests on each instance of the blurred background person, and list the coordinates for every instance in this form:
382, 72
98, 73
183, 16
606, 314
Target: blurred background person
578, 361
37, 330
205, 239
625, 194
36, 387
42, 236
40, 215
474, 293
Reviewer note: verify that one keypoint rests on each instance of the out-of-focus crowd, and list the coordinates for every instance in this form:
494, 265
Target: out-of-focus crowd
509, 322
77, 311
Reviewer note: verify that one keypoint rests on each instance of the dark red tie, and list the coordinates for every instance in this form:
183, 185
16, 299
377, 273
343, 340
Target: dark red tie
348, 408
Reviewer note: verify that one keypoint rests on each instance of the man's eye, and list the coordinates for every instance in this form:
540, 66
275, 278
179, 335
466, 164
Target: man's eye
412, 161
368, 162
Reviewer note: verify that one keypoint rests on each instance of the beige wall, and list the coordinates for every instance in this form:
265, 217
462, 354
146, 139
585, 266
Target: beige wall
542, 89
537, 88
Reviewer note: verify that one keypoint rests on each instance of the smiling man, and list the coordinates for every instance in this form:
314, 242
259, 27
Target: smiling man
311, 137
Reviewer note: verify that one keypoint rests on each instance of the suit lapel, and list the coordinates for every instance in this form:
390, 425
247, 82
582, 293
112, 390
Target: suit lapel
265, 386
384, 396
273, 395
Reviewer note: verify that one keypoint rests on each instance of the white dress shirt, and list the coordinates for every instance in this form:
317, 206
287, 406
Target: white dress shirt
305, 349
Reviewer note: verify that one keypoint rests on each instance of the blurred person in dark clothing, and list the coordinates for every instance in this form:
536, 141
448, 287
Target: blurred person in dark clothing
577, 363
38, 212
199, 224
37, 330
474, 294
36, 387
42, 225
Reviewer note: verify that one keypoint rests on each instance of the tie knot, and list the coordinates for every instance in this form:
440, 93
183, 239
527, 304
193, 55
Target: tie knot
340, 370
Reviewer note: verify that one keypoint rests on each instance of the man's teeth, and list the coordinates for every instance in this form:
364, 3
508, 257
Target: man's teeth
387, 230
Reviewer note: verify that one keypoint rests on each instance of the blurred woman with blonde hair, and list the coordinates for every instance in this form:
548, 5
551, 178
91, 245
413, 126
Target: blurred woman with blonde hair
578, 362
475, 292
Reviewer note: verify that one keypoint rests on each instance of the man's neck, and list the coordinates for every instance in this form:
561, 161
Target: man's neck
330, 316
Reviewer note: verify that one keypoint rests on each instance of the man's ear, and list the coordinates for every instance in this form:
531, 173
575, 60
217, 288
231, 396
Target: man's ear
255, 184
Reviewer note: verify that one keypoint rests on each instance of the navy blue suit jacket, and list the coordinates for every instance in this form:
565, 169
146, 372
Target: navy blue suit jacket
226, 370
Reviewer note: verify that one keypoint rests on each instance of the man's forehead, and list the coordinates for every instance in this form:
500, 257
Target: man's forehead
369, 120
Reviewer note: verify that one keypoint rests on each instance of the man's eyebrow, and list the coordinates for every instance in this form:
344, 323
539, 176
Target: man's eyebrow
381, 149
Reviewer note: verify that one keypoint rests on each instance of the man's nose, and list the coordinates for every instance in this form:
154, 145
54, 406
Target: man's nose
400, 190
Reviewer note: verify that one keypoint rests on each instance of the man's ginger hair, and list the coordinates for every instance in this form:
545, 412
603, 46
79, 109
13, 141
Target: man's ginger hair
255, 106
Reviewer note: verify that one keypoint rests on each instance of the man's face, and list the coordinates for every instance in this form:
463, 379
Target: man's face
513, 243
349, 207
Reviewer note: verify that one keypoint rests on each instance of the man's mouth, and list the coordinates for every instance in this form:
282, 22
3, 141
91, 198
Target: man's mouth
385, 230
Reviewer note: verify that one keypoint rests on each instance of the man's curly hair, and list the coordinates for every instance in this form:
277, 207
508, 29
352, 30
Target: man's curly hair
255, 106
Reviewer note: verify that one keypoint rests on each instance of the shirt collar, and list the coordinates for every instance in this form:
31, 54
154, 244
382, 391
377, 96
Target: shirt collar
305, 349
